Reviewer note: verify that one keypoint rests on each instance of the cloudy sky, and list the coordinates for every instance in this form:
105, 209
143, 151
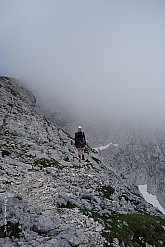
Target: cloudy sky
98, 55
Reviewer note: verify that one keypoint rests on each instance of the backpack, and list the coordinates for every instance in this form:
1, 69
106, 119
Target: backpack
80, 138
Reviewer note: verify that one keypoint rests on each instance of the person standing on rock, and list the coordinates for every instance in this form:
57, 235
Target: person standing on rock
80, 142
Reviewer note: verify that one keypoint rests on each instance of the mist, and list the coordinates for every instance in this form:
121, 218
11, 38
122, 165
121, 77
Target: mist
96, 56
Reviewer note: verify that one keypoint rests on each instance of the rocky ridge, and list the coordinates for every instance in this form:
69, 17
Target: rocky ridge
48, 198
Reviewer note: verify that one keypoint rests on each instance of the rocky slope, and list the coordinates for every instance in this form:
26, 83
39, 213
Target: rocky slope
139, 156
141, 161
49, 199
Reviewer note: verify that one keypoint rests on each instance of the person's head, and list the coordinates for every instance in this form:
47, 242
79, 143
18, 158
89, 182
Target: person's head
79, 128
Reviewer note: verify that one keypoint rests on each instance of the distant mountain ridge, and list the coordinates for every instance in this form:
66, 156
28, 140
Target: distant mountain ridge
49, 199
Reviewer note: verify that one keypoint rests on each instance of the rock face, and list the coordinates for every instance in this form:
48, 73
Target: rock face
141, 161
47, 197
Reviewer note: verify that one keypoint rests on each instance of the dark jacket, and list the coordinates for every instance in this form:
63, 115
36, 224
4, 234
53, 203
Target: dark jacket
80, 141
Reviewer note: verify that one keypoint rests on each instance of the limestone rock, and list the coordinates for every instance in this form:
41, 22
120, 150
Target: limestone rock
47, 197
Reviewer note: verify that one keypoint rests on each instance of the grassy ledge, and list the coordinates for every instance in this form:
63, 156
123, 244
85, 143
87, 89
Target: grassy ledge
47, 163
134, 230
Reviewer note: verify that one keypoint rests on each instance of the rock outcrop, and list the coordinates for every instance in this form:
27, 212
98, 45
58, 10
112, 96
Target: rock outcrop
47, 197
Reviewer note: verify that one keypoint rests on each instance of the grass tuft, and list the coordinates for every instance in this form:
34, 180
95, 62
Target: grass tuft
107, 190
12, 230
131, 229
5, 153
48, 163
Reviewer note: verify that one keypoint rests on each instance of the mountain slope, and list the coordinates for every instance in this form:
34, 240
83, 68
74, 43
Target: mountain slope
48, 198
141, 161
140, 152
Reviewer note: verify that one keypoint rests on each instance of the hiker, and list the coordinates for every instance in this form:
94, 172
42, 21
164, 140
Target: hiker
80, 142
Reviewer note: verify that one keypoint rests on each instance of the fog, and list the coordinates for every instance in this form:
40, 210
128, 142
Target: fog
96, 56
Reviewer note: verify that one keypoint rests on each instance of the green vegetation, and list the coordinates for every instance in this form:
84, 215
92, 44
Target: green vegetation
107, 190
132, 229
12, 230
5, 153
18, 197
136, 230
48, 163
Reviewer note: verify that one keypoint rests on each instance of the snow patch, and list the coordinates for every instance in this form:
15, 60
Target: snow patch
150, 198
116, 145
106, 146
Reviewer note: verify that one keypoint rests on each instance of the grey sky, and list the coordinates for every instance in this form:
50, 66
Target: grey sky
100, 55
